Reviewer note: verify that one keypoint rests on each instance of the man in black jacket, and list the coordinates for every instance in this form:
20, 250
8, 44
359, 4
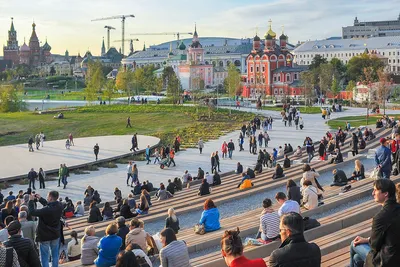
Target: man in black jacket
32, 175
231, 147
27, 255
383, 247
123, 230
294, 251
49, 226
339, 178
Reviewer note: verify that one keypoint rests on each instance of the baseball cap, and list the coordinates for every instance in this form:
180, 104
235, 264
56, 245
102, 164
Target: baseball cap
382, 140
13, 227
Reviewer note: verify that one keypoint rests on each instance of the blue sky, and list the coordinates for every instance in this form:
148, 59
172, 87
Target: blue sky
67, 23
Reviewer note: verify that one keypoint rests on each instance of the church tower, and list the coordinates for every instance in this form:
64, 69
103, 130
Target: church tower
34, 47
11, 50
103, 49
195, 51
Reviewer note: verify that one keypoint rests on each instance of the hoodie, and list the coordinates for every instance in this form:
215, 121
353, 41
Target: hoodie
137, 236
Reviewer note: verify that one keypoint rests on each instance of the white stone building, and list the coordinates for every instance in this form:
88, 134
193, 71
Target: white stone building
345, 49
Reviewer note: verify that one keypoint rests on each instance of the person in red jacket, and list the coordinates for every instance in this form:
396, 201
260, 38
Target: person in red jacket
232, 251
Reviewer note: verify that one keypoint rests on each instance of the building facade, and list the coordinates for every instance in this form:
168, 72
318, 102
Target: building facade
369, 29
270, 69
387, 48
11, 50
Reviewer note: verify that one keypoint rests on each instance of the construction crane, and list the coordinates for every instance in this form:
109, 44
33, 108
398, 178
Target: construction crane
177, 34
122, 17
108, 35
130, 45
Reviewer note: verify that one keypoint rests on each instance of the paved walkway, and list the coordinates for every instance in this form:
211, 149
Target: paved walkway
16, 160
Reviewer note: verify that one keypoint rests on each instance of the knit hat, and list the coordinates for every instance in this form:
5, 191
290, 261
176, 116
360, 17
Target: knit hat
13, 227
382, 140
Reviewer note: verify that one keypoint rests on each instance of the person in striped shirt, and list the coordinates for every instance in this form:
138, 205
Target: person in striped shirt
269, 222
174, 252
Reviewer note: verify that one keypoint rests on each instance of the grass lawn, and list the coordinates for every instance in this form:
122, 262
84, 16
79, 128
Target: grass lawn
54, 95
356, 121
157, 120
305, 110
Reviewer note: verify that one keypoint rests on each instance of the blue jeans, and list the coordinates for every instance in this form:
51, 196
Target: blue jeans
49, 246
358, 254
230, 153
385, 174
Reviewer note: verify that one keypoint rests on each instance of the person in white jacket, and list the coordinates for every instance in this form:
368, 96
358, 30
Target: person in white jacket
137, 250
310, 195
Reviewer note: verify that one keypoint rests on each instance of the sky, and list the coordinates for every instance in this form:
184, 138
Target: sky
67, 23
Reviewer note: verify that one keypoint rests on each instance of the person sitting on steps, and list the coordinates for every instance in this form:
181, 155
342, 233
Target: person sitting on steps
337, 157
339, 178
278, 172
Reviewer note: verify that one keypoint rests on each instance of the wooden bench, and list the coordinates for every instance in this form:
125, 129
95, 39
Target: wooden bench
339, 258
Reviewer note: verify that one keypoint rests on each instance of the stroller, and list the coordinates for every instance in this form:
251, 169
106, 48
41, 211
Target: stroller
163, 163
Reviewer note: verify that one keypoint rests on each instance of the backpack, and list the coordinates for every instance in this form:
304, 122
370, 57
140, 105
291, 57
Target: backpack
142, 262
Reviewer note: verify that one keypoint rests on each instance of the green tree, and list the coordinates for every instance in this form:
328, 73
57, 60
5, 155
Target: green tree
383, 90
326, 72
124, 81
23, 70
94, 81
158, 84
356, 65
317, 61
233, 81
308, 81
52, 71
9, 100
172, 82
109, 90
338, 67
335, 88
350, 86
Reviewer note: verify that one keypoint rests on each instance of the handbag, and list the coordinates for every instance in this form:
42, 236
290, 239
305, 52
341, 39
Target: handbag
376, 174
69, 214
63, 258
199, 229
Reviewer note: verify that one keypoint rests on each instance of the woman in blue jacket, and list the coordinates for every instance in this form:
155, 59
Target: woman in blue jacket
210, 216
109, 247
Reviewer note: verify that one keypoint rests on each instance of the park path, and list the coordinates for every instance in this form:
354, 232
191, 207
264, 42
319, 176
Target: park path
16, 160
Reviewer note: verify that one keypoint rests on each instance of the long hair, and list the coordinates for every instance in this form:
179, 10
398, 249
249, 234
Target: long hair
74, 235
126, 258
143, 199
169, 235
358, 165
209, 204
231, 243
171, 213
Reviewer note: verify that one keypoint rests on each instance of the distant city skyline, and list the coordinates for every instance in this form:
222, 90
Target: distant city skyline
67, 24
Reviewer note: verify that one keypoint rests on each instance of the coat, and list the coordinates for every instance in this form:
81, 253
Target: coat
295, 251
108, 250
137, 236
385, 237
210, 219
340, 177
27, 254
174, 225
354, 143
94, 215
126, 212
293, 193
204, 189
49, 226
383, 158
89, 250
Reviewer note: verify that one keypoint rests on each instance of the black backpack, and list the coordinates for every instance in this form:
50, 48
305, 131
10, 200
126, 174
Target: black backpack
142, 262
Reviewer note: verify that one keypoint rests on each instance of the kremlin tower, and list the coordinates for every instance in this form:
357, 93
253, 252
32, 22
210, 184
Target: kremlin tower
11, 50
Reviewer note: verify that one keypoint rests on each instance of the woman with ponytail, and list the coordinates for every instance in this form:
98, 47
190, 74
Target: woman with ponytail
74, 247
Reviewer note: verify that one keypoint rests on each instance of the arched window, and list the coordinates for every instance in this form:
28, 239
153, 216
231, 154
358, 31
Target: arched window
206, 62
214, 63
237, 63
228, 63
288, 77
221, 63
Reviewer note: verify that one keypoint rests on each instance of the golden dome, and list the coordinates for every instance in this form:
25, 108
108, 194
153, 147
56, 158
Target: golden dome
270, 31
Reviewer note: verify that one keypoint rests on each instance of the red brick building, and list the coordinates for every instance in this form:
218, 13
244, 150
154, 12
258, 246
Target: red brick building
270, 69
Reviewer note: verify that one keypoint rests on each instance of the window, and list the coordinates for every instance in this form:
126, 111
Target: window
281, 91
390, 61
390, 53
288, 77
274, 78
279, 78
383, 53
295, 76
257, 69
252, 80
263, 69
251, 69
276, 91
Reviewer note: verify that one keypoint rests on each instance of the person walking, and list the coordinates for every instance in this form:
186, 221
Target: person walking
71, 140
213, 163
200, 144
224, 149
32, 175
49, 226
241, 141
171, 157
383, 159
42, 177
147, 153
129, 172
30, 144
66, 174
128, 122
42, 138
37, 141
354, 144
231, 147
96, 149
135, 175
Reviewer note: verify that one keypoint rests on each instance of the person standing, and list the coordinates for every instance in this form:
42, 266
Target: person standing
128, 172
383, 159
128, 122
135, 175
213, 163
28, 227
148, 154
49, 226
224, 149
61, 174
66, 174
71, 140
136, 143
200, 145
96, 149
354, 144
42, 138
217, 161
42, 177
37, 141
231, 147
30, 144
32, 175
171, 157
382, 247
241, 141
